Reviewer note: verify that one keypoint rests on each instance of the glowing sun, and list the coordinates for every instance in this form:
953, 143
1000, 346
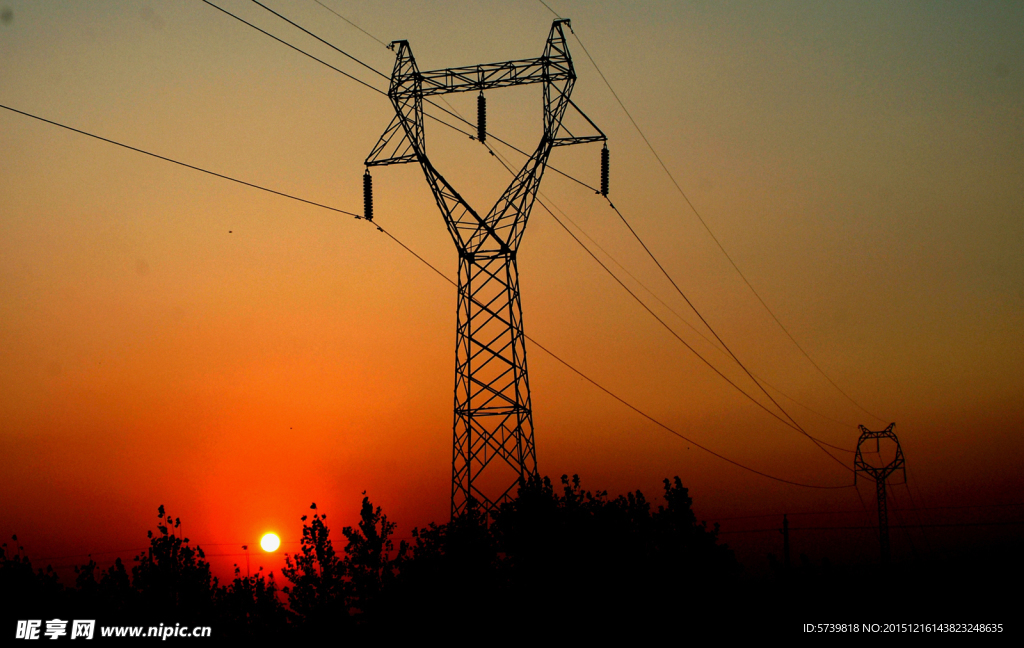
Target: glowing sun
270, 542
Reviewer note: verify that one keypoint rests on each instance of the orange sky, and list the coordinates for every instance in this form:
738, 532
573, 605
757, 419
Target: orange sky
861, 163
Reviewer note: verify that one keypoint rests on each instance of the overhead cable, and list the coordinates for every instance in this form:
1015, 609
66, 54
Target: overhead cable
442, 275
706, 226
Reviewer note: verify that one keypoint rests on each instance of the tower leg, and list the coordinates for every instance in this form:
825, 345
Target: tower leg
883, 522
493, 425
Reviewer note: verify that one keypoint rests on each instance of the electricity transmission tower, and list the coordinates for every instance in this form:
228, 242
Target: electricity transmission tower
493, 443
879, 473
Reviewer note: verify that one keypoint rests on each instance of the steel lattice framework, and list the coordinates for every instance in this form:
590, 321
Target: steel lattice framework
880, 474
493, 443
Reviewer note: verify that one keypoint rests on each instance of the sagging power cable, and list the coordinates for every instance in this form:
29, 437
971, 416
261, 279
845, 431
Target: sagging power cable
436, 271
703, 222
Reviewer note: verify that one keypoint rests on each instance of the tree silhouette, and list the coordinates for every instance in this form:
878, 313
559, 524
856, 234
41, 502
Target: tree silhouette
319, 592
249, 607
553, 555
368, 563
24, 591
116, 595
172, 577
447, 565
589, 547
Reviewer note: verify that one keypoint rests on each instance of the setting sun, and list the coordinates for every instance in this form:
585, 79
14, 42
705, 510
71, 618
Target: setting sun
270, 542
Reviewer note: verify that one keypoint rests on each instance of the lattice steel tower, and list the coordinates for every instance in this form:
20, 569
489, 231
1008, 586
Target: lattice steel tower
880, 474
493, 444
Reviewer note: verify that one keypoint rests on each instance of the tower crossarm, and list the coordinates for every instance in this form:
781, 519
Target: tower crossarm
553, 66
493, 75
500, 230
879, 472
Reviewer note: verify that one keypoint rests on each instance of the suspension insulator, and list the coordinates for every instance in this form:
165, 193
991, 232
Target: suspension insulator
367, 196
604, 170
481, 117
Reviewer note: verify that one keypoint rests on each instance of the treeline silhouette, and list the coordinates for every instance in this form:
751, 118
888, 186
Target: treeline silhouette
552, 555
557, 556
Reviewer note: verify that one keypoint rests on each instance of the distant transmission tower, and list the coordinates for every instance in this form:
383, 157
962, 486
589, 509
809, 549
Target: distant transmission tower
879, 473
493, 444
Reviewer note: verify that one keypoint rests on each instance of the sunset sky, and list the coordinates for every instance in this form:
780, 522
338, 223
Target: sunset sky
167, 337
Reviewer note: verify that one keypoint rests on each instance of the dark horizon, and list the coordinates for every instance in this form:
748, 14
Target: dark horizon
645, 558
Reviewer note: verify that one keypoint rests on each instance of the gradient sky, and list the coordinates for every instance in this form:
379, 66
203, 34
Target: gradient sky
863, 163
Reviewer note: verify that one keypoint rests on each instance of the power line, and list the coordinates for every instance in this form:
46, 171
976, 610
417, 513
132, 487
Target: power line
377, 90
300, 27
284, 42
446, 278
684, 342
691, 326
322, 62
726, 350
350, 22
631, 275
455, 113
549, 8
794, 425
713, 332
616, 396
810, 409
672, 431
756, 380
187, 166
420, 258
704, 223
676, 286
670, 329
717, 242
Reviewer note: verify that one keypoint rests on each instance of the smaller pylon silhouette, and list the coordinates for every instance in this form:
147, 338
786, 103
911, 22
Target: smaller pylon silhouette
879, 473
